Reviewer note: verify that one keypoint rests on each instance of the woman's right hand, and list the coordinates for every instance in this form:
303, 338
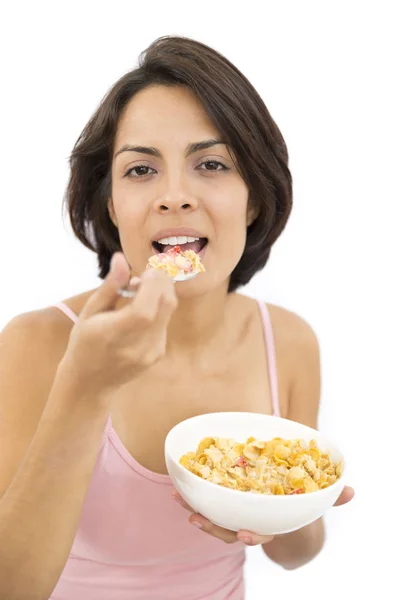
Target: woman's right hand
115, 339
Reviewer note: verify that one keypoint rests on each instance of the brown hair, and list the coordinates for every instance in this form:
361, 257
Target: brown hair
236, 110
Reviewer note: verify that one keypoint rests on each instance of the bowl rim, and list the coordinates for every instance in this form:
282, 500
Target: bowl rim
338, 483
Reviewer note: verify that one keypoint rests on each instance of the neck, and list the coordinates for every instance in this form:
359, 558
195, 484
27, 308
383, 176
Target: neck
198, 324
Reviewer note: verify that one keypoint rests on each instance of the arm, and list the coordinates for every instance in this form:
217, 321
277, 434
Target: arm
50, 434
298, 352
293, 550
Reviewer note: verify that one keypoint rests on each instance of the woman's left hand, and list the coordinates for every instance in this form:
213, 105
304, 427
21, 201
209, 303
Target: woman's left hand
247, 537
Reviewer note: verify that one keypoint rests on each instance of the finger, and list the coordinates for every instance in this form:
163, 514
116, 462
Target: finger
106, 296
345, 496
181, 501
155, 299
134, 283
125, 299
227, 536
253, 539
167, 306
247, 537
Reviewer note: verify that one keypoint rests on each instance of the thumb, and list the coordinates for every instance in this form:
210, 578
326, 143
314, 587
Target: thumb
345, 496
106, 296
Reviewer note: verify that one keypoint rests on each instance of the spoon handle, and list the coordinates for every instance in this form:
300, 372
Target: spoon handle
126, 293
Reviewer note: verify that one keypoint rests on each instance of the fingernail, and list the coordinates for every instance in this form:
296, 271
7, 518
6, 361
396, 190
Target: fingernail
197, 524
134, 281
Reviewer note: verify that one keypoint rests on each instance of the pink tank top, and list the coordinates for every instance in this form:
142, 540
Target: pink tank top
134, 541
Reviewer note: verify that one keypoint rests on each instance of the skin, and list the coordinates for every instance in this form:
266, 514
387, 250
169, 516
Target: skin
180, 191
175, 189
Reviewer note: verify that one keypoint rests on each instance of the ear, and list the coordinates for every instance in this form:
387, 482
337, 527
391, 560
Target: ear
252, 213
111, 212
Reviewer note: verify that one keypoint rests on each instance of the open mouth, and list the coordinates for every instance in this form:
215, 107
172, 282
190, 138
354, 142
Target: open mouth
197, 246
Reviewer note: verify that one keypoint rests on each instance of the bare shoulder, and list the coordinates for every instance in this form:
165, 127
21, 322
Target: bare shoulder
297, 358
298, 352
37, 329
31, 348
32, 345
289, 327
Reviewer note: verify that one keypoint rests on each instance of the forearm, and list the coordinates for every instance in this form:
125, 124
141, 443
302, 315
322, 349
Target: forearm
40, 510
295, 549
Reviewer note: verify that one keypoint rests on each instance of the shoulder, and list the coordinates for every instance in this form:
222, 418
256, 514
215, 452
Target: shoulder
37, 335
293, 333
292, 326
43, 332
298, 351
31, 349
32, 345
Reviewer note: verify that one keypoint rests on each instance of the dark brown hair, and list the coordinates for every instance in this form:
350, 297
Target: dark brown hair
236, 110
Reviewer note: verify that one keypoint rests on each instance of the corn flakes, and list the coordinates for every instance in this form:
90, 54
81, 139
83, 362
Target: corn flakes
275, 467
175, 262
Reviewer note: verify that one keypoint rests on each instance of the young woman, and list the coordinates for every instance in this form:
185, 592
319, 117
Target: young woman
181, 150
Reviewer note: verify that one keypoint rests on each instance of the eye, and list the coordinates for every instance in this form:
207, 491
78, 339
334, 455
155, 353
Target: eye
139, 171
212, 165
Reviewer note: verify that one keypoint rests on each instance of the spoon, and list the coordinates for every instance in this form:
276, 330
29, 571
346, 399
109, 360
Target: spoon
125, 293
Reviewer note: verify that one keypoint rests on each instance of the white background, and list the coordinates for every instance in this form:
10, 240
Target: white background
328, 73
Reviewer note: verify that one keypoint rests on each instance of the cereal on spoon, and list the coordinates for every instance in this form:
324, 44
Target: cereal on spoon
177, 264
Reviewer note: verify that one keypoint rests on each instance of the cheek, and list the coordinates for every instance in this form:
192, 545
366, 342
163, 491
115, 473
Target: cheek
233, 203
129, 210
130, 214
231, 228
230, 215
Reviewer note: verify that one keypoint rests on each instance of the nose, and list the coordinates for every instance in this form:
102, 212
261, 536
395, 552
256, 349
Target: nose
175, 198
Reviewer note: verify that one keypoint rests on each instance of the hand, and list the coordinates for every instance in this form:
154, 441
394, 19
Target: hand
345, 496
226, 535
116, 339
247, 537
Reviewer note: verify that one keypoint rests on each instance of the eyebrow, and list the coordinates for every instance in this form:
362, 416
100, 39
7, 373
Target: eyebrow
190, 149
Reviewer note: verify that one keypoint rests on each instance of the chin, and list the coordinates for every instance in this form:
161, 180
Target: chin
202, 285
191, 289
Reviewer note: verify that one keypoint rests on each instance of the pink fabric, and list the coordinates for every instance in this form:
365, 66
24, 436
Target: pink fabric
67, 311
270, 345
134, 541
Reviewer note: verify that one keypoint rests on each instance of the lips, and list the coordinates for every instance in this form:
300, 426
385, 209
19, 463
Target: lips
195, 246
177, 231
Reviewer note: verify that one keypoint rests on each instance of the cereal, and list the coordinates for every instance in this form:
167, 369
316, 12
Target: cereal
276, 467
175, 262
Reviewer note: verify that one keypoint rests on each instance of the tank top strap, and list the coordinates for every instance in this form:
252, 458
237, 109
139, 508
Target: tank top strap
271, 356
269, 343
67, 311
108, 426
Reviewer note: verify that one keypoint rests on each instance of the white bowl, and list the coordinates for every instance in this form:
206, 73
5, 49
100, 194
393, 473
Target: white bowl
233, 509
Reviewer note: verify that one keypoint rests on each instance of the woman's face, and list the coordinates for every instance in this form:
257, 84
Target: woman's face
167, 183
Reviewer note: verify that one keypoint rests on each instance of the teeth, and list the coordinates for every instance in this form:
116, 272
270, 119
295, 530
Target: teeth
180, 239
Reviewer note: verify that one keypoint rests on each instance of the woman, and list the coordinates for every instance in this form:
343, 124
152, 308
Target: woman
181, 147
